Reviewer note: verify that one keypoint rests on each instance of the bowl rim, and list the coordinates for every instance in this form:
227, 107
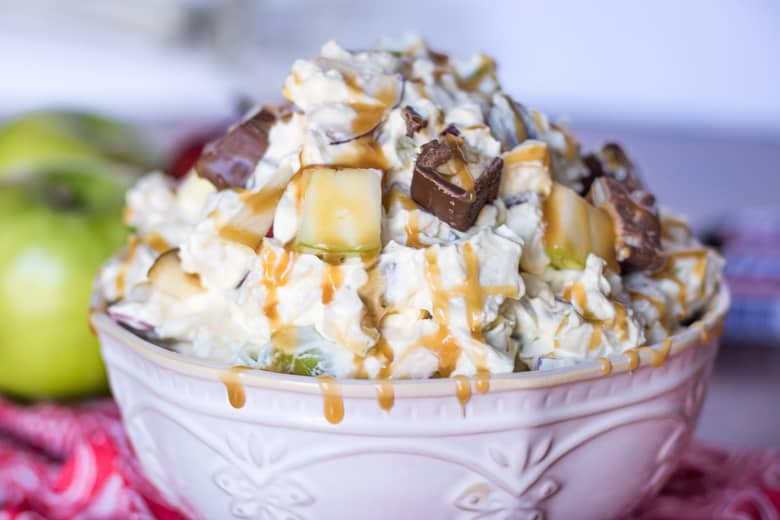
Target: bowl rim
702, 332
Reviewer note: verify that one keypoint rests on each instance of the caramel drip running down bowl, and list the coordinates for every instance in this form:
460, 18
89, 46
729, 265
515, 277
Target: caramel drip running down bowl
451, 447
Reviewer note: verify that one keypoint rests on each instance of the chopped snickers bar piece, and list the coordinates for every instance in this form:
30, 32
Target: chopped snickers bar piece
442, 183
637, 227
414, 121
612, 161
230, 160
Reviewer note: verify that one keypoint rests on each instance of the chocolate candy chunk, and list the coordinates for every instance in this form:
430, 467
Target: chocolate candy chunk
637, 227
439, 58
451, 129
644, 198
612, 161
230, 160
414, 121
457, 205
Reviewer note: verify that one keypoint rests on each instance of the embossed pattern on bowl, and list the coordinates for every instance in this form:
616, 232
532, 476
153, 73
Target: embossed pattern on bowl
569, 443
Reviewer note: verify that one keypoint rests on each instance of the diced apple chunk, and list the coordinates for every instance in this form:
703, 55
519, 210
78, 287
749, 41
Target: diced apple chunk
574, 229
167, 276
602, 236
342, 212
194, 190
251, 223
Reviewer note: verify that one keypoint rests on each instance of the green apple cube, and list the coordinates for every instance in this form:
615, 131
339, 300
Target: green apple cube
306, 363
574, 228
342, 212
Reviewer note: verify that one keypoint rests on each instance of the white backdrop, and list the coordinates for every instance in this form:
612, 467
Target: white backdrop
703, 65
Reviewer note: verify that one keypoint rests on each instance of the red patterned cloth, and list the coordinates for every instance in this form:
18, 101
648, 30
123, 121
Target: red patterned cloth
59, 462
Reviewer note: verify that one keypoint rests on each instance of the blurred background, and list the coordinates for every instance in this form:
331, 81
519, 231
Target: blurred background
692, 89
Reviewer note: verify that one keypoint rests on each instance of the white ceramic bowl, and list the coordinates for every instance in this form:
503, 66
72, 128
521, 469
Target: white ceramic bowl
568, 443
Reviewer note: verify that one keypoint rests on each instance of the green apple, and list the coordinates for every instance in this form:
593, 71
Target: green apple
68, 139
56, 229
342, 212
574, 228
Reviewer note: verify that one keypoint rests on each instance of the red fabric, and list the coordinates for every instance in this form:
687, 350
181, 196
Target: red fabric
716, 484
59, 462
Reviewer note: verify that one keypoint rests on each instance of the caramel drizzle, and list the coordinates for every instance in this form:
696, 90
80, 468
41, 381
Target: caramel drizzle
462, 392
156, 241
363, 152
231, 378
595, 337
472, 293
669, 223
559, 329
413, 230
441, 342
457, 167
658, 304
577, 294
235, 233
520, 130
572, 149
633, 359
507, 291
285, 339
529, 153
486, 69
682, 292
396, 196
700, 269
263, 201
385, 394
482, 381
385, 352
704, 333
121, 276
620, 321
333, 404
255, 204
606, 366
369, 115
300, 181
276, 272
539, 119
332, 278
659, 355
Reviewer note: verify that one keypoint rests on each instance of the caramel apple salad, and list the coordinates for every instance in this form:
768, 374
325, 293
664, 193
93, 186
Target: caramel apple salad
401, 216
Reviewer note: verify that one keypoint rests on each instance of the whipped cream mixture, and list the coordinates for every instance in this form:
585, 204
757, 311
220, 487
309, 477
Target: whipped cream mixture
202, 276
